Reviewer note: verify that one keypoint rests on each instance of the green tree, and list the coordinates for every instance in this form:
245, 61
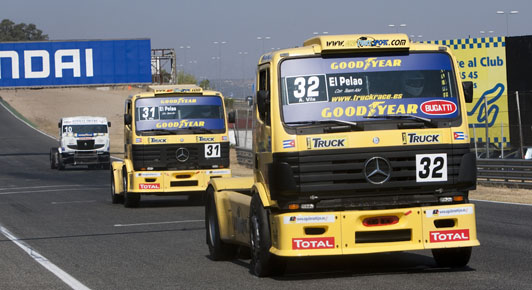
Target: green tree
185, 78
206, 85
9, 31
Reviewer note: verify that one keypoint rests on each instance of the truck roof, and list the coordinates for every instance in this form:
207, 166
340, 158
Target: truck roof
84, 120
181, 90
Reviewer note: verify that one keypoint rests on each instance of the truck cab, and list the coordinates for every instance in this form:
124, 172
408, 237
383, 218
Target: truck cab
83, 140
175, 141
360, 146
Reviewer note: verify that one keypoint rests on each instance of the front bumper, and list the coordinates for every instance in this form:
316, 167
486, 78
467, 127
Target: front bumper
85, 157
173, 182
344, 232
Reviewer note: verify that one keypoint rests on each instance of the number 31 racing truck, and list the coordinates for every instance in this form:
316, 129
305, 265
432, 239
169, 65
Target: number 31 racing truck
83, 140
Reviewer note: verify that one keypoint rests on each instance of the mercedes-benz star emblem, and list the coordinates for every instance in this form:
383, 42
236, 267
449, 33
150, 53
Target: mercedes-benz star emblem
182, 154
377, 170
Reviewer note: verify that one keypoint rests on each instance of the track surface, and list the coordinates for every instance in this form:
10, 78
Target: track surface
67, 218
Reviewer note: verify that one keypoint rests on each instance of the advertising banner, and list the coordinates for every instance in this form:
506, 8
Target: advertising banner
68, 63
483, 61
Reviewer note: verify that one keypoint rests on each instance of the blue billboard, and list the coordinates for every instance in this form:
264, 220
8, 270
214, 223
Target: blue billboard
74, 63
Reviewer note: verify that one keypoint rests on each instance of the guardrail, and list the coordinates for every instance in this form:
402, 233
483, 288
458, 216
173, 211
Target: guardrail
508, 172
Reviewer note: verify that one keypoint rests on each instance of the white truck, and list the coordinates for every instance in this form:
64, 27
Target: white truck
83, 140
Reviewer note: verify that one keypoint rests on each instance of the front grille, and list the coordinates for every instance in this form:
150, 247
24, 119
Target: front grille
383, 236
85, 144
163, 157
75, 147
340, 173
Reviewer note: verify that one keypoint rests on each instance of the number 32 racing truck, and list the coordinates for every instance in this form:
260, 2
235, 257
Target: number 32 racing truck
360, 146
83, 140
176, 140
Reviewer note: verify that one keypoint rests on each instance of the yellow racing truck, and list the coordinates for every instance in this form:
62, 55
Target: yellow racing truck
360, 145
175, 141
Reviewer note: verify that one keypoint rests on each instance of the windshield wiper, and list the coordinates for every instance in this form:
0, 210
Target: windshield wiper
197, 130
344, 125
428, 122
159, 132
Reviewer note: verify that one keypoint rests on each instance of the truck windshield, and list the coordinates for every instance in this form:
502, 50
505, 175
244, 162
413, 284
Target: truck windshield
179, 115
84, 130
416, 86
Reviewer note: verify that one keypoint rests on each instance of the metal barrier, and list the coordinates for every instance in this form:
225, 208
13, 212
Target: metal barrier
244, 157
507, 172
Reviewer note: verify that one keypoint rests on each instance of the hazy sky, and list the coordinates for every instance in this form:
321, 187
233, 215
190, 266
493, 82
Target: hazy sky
199, 23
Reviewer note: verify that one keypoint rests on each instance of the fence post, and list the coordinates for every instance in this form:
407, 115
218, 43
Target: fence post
520, 128
475, 140
486, 124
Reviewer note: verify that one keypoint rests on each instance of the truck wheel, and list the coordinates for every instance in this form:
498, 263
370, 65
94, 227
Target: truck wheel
263, 263
115, 198
60, 163
452, 257
53, 158
130, 199
218, 250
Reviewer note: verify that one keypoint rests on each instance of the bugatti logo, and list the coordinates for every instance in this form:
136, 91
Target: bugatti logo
182, 154
377, 170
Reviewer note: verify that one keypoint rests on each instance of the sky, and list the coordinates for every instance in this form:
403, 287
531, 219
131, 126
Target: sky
192, 27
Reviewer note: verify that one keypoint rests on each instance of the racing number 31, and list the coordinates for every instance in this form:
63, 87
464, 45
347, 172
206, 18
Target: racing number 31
431, 167
212, 150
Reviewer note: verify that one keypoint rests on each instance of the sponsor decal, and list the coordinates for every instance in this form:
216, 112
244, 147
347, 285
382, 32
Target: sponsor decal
138, 140
312, 243
221, 171
179, 100
414, 138
449, 236
368, 63
149, 186
289, 143
157, 140
224, 138
204, 139
180, 124
318, 142
438, 107
147, 174
459, 136
309, 219
450, 211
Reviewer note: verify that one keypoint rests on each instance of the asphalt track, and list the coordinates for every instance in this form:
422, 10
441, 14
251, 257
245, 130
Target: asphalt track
59, 230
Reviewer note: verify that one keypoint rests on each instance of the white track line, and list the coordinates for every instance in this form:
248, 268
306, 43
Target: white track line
75, 201
158, 223
41, 186
501, 202
46, 190
64, 276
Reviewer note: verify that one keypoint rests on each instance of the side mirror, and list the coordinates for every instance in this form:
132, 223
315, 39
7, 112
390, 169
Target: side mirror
59, 125
231, 117
109, 124
468, 91
263, 102
127, 119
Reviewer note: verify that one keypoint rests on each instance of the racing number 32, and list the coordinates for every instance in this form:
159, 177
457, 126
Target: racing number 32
212, 150
431, 167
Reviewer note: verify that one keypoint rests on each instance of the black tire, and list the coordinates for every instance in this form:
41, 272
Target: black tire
130, 199
115, 198
60, 163
263, 263
452, 257
53, 158
218, 250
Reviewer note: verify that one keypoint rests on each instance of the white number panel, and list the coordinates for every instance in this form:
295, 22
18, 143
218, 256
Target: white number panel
212, 150
431, 167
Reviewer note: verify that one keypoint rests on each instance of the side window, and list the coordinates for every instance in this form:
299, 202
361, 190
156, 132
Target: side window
264, 87
127, 113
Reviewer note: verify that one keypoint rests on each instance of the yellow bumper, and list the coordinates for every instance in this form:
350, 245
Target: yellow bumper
173, 182
373, 231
